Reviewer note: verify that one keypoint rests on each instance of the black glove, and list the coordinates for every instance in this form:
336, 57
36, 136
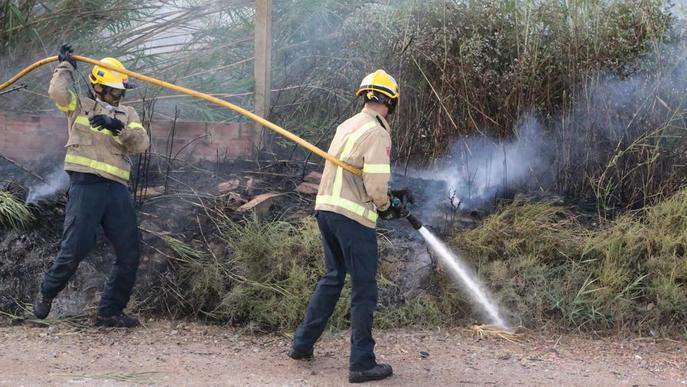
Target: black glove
65, 55
404, 195
388, 214
106, 122
398, 201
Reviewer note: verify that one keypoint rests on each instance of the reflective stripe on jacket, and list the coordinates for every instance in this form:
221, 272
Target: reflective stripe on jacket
364, 142
96, 150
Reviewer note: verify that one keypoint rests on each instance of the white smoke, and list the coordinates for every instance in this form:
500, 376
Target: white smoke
608, 113
57, 181
476, 169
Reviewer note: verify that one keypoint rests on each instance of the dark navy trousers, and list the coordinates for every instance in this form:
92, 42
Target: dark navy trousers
348, 247
94, 201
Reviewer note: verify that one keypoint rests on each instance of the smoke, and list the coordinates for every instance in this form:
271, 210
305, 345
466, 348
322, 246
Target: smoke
57, 181
565, 153
476, 170
679, 8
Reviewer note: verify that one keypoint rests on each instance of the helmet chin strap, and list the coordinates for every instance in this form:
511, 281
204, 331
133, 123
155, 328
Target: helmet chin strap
104, 104
388, 102
391, 105
106, 90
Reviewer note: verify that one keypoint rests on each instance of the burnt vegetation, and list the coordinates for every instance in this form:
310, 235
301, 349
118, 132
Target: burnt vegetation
604, 81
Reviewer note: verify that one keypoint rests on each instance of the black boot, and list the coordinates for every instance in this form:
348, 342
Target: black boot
378, 372
300, 355
117, 321
41, 306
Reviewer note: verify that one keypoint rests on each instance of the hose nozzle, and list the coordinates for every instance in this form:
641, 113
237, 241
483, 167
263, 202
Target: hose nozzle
415, 222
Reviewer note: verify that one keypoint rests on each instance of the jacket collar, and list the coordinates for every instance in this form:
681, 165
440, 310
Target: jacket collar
378, 117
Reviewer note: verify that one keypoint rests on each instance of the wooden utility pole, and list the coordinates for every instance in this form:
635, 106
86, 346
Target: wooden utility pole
263, 74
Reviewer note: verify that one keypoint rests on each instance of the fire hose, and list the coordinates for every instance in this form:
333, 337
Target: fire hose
214, 100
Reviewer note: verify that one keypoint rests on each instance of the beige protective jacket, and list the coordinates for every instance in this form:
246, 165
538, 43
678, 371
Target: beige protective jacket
364, 142
96, 150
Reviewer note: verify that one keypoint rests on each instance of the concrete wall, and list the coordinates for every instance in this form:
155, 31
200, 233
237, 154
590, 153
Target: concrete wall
27, 138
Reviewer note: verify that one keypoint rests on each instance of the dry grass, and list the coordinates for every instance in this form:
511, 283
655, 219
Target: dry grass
513, 335
123, 377
24, 313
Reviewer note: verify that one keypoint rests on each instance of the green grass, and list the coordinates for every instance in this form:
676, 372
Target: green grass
540, 262
262, 280
265, 276
422, 312
543, 265
13, 213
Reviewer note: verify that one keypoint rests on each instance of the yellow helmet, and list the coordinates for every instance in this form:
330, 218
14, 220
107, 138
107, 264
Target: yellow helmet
380, 82
104, 76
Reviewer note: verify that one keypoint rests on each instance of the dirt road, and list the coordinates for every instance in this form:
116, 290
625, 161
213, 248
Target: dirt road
184, 354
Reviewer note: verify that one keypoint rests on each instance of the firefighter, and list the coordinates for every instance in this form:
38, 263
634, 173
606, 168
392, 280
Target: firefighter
347, 208
102, 133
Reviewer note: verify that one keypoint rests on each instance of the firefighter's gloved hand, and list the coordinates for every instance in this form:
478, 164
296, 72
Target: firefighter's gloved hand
65, 55
102, 121
397, 208
404, 195
389, 214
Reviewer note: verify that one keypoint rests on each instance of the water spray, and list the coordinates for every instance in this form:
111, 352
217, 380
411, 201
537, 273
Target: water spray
459, 271
462, 274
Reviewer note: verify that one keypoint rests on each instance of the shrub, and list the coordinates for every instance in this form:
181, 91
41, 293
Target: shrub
542, 264
262, 279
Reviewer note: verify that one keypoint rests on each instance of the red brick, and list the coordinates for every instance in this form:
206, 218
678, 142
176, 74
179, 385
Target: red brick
228, 185
24, 136
239, 149
158, 144
22, 126
49, 123
160, 129
191, 129
308, 188
151, 192
199, 151
224, 132
313, 177
248, 131
23, 117
18, 153
185, 154
261, 204
206, 152
182, 129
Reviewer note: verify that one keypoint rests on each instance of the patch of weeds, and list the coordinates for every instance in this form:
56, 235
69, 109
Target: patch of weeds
542, 264
201, 278
420, 312
13, 213
280, 263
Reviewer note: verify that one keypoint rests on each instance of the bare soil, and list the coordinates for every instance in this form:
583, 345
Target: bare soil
179, 353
